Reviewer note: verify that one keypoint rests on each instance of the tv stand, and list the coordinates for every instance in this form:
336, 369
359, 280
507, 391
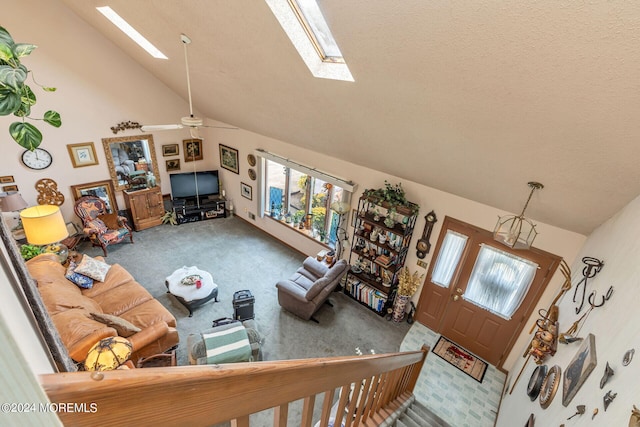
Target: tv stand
189, 211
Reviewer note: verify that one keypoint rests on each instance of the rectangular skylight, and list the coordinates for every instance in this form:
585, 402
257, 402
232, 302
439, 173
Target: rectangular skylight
317, 29
126, 28
305, 26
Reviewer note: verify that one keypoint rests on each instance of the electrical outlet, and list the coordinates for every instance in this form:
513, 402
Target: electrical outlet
252, 216
422, 264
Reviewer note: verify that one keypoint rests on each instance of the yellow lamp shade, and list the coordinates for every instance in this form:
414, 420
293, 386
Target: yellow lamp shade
43, 224
108, 354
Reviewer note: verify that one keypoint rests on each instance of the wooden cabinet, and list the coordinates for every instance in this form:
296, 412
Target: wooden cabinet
378, 252
146, 207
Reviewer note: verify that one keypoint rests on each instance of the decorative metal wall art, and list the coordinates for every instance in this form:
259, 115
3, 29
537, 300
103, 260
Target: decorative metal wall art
579, 369
608, 398
608, 373
125, 125
626, 359
592, 267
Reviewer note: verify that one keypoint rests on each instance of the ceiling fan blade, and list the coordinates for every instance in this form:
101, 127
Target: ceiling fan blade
153, 128
219, 127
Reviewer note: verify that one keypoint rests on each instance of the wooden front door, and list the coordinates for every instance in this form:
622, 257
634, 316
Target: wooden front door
446, 306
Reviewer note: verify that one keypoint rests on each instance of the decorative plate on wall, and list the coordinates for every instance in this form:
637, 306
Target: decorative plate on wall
251, 159
252, 174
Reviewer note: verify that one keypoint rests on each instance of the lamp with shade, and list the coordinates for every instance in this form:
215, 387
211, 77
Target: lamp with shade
44, 226
14, 203
340, 208
108, 354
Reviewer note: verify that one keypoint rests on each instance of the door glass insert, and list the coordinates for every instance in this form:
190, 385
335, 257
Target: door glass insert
448, 258
499, 281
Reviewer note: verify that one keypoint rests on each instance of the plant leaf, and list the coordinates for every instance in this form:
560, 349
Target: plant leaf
23, 49
53, 118
12, 77
9, 102
5, 37
48, 89
23, 111
6, 54
26, 135
28, 97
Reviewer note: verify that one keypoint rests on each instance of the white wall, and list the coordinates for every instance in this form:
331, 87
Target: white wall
615, 326
99, 86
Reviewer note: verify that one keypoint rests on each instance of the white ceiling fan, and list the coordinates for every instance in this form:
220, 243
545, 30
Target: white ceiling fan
190, 121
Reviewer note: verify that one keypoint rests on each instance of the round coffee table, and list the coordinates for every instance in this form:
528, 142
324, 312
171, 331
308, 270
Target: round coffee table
192, 287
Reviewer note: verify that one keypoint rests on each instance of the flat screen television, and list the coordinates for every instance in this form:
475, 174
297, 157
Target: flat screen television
194, 186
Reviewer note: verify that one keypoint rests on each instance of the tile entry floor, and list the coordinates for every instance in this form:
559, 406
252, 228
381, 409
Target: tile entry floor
448, 392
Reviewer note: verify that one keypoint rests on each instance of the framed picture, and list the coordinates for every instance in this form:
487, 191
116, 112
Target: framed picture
7, 188
579, 369
6, 179
192, 149
173, 165
246, 191
354, 217
229, 158
170, 150
101, 189
83, 154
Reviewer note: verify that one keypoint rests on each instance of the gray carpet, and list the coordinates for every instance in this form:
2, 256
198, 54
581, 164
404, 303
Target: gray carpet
240, 256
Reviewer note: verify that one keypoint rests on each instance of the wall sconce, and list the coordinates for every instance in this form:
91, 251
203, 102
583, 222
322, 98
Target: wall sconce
517, 232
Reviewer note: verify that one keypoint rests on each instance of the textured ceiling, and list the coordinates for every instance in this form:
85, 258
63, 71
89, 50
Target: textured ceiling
472, 98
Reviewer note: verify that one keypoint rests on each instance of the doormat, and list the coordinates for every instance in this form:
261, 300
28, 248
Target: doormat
460, 358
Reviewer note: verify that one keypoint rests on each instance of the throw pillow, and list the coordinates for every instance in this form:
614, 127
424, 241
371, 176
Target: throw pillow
79, 279
110, 220
123, 327
93, 268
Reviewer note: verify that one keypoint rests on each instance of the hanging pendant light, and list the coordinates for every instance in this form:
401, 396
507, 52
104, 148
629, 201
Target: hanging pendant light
517, 232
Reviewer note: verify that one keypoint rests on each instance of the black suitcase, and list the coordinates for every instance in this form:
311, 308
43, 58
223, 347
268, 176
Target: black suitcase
243, 305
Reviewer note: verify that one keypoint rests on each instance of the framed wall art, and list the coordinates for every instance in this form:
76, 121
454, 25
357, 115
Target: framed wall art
170, 150
173, 165
579, 369
7, 179
246, 191
83, 154
8, 188
192, 149
102, 189
229, 158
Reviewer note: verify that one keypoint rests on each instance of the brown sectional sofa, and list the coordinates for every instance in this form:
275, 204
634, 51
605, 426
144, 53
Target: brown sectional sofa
70, 308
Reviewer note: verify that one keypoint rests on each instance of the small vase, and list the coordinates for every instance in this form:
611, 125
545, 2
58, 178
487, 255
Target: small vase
399, 306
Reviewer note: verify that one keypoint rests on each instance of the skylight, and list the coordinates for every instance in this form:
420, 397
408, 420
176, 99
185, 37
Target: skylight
307, 29
126, 28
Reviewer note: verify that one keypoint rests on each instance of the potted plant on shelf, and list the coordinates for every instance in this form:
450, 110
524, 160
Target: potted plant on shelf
392, 196
407, 286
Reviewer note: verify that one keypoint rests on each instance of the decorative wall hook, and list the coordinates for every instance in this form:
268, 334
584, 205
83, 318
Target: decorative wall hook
605, 298
608, 373
125, 125
592, 267
608, 398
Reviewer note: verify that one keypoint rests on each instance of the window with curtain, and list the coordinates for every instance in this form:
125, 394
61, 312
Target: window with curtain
499, 281
448, 258
294, 194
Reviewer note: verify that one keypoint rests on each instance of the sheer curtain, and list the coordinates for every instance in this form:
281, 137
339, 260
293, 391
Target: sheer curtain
499, 281
448, 258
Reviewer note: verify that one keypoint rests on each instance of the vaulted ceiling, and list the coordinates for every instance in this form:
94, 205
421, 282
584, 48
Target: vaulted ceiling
474, 98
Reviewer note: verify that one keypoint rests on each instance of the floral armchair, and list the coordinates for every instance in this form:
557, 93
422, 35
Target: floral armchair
102, 228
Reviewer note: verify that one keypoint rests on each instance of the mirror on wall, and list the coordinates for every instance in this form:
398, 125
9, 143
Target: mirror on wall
129, 158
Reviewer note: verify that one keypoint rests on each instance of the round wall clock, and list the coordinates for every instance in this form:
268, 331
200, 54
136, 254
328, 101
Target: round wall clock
251, 159
424, 246
37, 159
252, 174
549, 386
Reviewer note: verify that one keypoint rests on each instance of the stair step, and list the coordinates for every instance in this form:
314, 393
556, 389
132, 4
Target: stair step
419, 410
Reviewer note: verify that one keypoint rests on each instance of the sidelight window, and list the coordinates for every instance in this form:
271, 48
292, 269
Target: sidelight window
448, 258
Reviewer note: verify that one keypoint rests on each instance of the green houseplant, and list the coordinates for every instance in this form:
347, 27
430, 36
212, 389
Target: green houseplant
392, 197
16, 97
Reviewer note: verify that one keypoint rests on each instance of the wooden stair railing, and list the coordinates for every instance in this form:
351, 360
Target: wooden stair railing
371, 387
